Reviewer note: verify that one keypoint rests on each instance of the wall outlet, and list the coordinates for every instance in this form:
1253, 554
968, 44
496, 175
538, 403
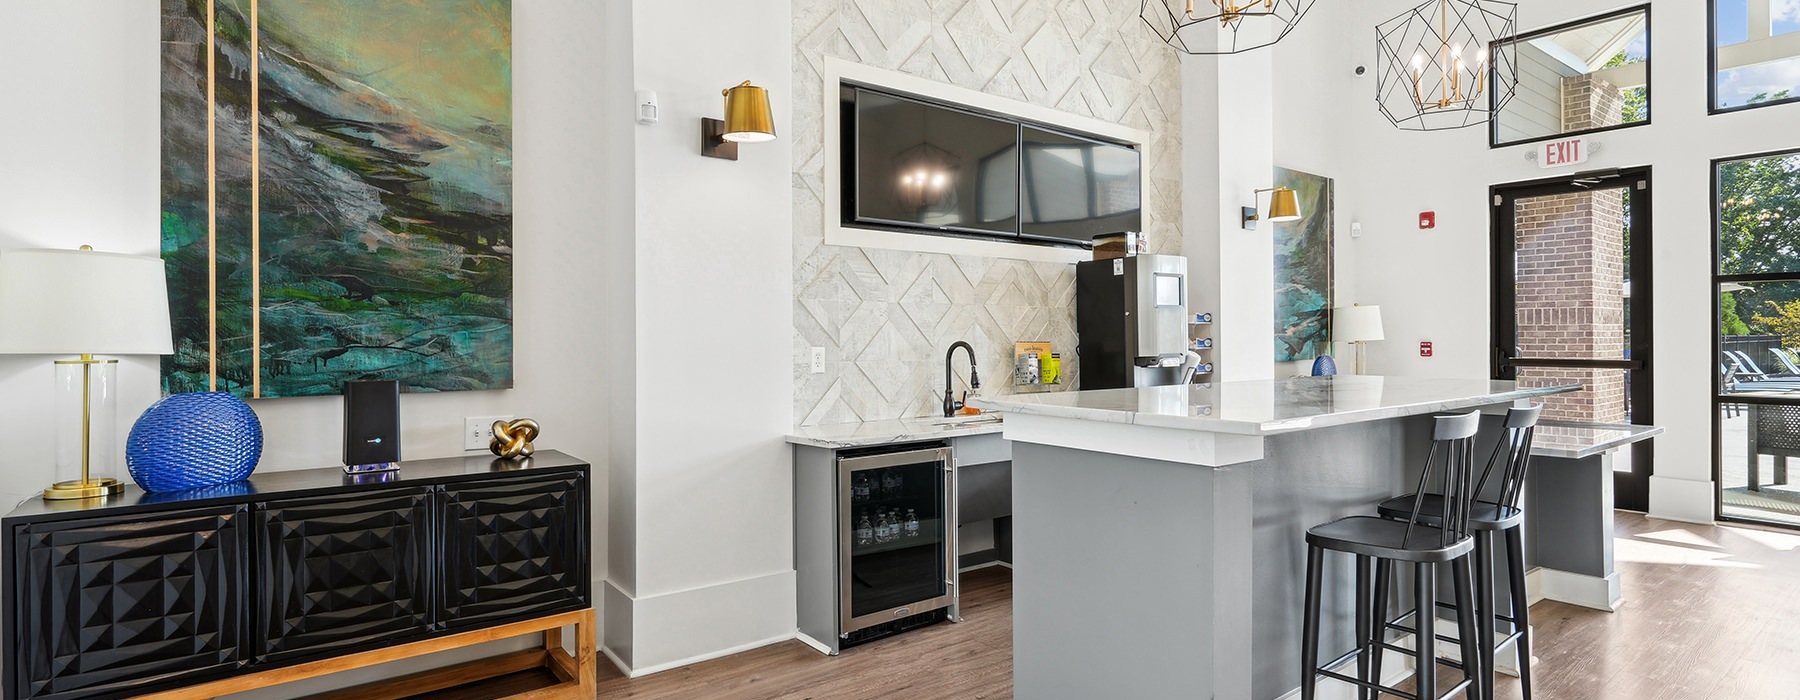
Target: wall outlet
478, 430
818, 360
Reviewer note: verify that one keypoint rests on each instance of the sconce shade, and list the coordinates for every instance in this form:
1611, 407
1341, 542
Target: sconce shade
748, 118
1355, 324
71, 302
1284, 205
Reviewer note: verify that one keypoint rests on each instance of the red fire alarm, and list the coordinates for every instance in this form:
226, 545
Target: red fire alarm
1427, 220
1424, 348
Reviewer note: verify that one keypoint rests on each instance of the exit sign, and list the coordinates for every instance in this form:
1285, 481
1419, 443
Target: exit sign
1556, 154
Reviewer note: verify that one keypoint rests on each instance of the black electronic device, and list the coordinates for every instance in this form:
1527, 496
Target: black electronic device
913, 164
371, 424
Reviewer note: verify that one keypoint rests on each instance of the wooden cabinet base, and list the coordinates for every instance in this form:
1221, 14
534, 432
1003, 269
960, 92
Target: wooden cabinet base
574, 672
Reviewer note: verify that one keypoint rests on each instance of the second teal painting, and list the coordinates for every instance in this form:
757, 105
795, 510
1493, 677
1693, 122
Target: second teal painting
1303, 269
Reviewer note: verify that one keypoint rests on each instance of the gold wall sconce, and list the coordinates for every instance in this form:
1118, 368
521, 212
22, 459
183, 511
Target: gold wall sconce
748, 119
1284, 205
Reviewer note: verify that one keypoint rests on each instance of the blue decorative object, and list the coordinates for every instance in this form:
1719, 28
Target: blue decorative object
1324, 366
192, 440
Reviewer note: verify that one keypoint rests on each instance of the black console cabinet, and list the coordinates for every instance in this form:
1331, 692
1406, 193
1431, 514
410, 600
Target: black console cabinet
147, 592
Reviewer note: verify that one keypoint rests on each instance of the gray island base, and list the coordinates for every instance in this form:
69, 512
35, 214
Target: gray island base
1158, 533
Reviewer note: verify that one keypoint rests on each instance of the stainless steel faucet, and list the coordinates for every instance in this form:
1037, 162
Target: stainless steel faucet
951, 405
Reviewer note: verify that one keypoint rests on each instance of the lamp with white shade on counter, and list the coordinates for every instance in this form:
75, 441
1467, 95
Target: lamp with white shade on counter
1357, 325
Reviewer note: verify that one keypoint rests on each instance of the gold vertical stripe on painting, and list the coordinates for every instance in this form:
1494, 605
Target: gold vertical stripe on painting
212, 204
255, 205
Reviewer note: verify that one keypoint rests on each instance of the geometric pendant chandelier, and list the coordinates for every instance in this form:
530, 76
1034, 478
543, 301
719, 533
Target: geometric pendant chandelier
1443, 64
1220, 27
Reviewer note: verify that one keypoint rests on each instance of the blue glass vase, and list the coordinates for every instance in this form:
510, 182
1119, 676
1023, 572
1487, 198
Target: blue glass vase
192, 440
1324, 366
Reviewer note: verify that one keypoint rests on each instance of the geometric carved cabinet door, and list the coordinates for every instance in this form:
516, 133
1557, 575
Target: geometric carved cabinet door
515, 548
339, 573
126, 602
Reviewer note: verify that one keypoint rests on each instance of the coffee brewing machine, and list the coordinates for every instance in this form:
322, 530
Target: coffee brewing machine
1131, 321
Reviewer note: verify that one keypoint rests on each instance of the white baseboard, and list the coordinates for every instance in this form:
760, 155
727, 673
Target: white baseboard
1575, 589
807, 639
1683, 500
660, 632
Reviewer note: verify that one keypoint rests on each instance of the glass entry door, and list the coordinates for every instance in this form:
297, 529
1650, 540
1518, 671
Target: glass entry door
898, 519
1572, 304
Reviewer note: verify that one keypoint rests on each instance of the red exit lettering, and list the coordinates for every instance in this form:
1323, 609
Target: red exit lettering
1567, 152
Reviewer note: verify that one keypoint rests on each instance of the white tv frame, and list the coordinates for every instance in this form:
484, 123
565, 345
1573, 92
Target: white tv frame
837, 71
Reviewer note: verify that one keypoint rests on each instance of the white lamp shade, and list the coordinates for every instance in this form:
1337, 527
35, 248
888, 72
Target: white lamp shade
1351, 324
72, 302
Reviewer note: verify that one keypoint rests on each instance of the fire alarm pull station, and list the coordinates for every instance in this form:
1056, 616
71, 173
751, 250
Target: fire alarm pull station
1424, 348
1427, 220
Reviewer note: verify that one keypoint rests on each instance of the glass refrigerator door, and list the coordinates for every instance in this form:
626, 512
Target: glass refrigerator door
898, 531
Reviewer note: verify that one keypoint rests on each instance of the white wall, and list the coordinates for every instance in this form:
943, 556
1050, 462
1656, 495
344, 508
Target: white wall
709, 565
1433, 285
1228, 141
80, 144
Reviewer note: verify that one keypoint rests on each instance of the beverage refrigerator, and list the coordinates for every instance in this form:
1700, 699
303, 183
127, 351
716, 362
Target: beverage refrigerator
875, 542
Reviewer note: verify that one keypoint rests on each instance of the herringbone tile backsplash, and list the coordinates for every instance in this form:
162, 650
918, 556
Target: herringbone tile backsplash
886, 317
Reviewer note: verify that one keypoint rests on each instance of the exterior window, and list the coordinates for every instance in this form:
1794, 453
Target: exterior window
1755, 53
1588, 75
1758, 326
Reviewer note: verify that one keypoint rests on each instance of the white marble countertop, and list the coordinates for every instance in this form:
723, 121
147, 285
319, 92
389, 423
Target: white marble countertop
882, 432
1567, 440
1269, 407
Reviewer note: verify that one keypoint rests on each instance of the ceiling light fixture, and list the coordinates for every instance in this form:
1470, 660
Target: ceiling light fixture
1444, 64
1184, 24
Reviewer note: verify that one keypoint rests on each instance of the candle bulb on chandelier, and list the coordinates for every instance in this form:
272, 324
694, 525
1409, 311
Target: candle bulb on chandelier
1457, 81
1456, 77
1481, 57
1418, 69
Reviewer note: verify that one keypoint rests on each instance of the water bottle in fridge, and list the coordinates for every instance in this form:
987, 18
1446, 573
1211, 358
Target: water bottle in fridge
865, 533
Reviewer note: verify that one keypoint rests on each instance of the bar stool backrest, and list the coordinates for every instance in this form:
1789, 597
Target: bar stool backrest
1452, 437
1515, 449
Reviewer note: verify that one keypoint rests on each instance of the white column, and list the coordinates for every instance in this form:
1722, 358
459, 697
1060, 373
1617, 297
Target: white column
1227, 154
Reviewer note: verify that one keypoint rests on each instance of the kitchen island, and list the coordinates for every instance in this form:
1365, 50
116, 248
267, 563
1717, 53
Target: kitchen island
1158, 542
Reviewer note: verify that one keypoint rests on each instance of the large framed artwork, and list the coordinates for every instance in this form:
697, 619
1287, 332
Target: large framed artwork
337, 194
1303, 269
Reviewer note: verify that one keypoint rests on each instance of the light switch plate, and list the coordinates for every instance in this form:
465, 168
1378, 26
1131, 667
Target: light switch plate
478, 430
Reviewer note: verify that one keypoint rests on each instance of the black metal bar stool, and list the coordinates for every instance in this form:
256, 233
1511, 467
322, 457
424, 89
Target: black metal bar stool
1380, 543
1513, 455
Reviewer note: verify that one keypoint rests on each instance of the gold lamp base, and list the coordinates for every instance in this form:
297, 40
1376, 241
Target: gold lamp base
84, 488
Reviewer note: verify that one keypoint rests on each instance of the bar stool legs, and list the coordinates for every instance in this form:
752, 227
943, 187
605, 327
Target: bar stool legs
1373, 578
1309, 651
1484, 610
1425, 646
1521, 607
1364, 621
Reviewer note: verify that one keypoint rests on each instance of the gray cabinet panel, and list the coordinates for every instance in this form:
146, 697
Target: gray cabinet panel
984, 491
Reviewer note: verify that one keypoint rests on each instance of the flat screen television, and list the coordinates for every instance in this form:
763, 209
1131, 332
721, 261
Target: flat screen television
914, 165
1077, 188
920, 165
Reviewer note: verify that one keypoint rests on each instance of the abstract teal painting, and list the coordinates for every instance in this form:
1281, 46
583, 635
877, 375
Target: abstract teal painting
1303, 252
337, 194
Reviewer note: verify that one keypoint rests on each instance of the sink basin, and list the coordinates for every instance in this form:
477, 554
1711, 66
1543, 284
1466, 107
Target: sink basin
976, 419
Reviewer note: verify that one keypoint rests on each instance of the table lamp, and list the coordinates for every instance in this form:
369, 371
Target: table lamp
1357, 325
84, 302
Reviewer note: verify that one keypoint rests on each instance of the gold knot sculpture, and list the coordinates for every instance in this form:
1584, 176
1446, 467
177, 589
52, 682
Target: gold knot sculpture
512, 439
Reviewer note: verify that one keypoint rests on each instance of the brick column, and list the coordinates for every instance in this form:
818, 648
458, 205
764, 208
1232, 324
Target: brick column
1571, 267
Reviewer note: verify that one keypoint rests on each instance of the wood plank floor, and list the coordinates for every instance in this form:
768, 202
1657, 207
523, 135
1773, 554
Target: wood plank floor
1710, 612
